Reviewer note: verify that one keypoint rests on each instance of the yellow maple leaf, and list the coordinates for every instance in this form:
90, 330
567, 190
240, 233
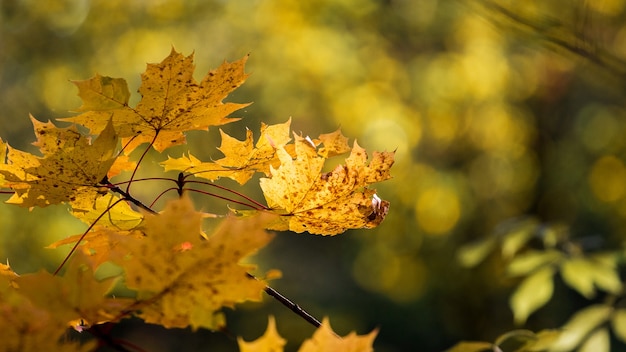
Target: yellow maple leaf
326, 203
325, 339
269, 342
69, 170
335, 143
172, 102
184, 280
241, 158
75, 295
100, 244
121, 216
26, 327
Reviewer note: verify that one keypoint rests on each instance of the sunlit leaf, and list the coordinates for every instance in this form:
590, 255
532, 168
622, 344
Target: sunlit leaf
618, 323
580, 325
542, 341
599, 341
535, 291
472, 254
163, 266
471, 346
325, 339
514, 240
326, 203
529, 261
172, 102
269, 342
584, 274
69, 170
241, 158
577, 274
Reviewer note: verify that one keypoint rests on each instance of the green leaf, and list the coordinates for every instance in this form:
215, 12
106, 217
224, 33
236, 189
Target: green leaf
618, 323
515, 334
606, 278
530, 261
580, 325
543, 340
534, 292
471, 346
577, 274
515, 240
584, 275
472, 254
599, 341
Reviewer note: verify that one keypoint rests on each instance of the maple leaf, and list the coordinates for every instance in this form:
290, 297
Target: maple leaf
241, 158
29, 328
335, 143
121, 216
326, 203
100, 244
184, 280
269, 342
172, 102
75, 295
325, 339
69, 170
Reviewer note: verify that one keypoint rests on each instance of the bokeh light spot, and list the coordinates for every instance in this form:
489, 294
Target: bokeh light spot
608, 179
438, 210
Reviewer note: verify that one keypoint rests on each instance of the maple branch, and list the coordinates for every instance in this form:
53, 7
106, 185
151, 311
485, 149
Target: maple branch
116, 344
126, 196
162, 194
221, 197
289, 304
233, 192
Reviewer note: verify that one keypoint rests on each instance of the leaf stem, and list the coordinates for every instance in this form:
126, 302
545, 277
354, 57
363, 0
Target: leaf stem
67, 257
231, 191
223, 198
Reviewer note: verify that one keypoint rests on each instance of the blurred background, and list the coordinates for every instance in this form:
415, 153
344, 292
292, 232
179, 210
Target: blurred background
498, 110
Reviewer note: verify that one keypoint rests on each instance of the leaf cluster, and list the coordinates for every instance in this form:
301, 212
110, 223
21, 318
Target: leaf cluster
172, 273
536, 254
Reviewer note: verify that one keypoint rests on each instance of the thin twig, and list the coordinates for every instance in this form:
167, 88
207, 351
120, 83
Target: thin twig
289, 304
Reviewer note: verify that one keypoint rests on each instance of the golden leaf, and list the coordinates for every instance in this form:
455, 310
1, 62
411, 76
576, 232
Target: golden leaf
534, 292
241, 158
69, 171
183, 279
325, 339
326, 203
269, 342
172, 102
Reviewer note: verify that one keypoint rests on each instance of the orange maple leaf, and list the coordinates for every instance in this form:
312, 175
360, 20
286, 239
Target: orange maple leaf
184, 280
69, 171
241, 160
326, 203
172, 102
